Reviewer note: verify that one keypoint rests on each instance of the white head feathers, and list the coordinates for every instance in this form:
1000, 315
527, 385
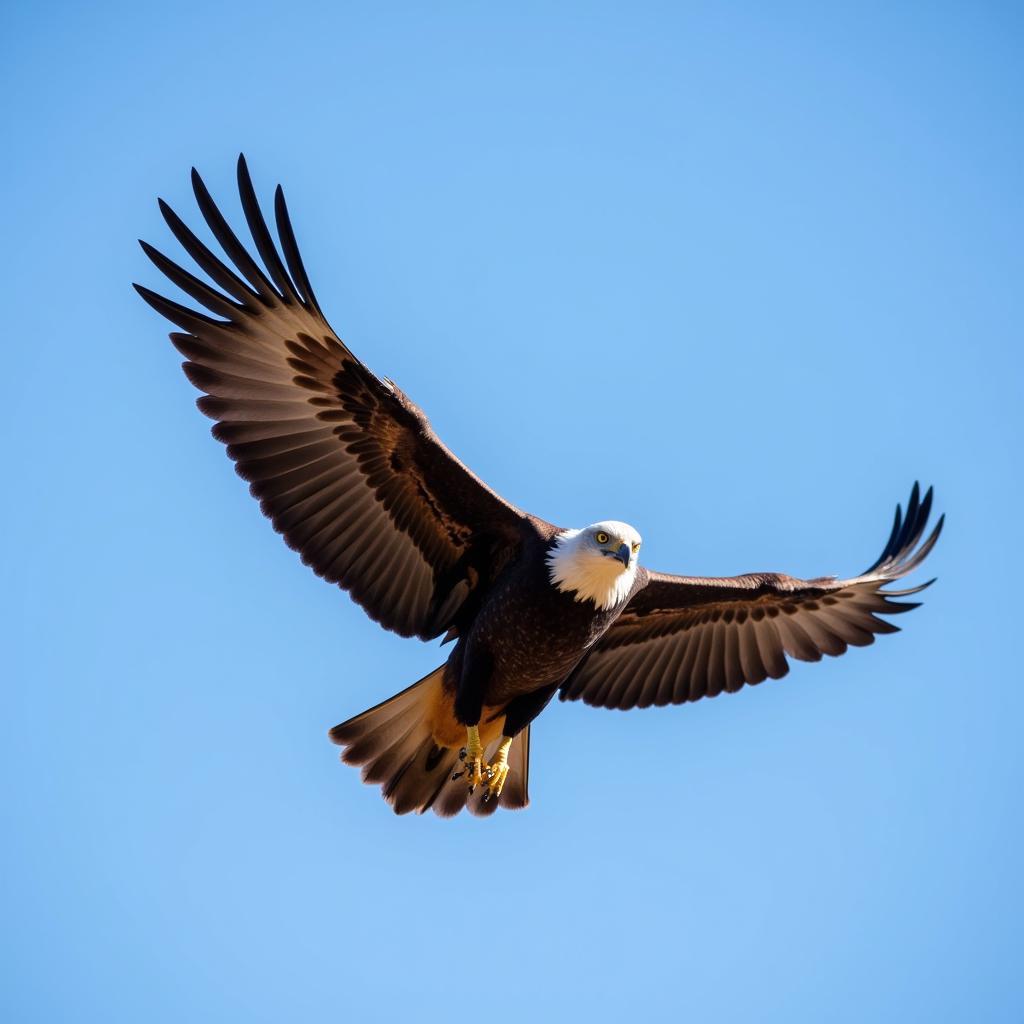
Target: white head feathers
597, 563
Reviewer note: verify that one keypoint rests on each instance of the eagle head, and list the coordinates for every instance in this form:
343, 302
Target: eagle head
597, 563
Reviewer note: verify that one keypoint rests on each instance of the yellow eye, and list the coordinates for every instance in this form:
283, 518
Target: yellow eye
601, 537
636, 548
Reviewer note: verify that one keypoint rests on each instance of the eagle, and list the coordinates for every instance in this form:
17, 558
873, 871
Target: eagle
350, 472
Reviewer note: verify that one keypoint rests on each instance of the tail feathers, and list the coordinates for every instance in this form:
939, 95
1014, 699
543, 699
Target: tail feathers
394, 744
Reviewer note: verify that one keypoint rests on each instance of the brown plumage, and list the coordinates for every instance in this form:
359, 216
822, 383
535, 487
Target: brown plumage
332, 452
682, 638
409, 746
349, 470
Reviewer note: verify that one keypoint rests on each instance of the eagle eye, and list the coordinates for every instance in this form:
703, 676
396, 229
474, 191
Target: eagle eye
636, 547
601, 537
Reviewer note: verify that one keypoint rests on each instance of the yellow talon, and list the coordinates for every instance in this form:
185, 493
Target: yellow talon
473, 757
476, 772
497, 772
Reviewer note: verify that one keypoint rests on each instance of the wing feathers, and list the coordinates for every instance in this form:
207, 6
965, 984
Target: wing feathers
217, 271
291, 250
178, 314
684, 638
229, 242
261, 234
751, 666
191, 285
347, 469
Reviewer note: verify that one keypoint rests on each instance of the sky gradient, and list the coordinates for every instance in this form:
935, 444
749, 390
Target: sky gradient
734, 277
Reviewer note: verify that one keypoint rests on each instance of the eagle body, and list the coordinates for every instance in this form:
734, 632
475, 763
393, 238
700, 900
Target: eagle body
528, 635
350, 472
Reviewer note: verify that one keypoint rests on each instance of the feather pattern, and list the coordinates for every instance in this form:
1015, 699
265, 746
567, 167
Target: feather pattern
682, 638
351, 473
345, 466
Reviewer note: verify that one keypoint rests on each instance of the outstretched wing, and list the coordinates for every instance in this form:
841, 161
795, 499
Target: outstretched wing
682, 638
345, 466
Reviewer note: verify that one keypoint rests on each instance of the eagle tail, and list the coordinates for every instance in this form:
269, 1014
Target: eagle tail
394, 744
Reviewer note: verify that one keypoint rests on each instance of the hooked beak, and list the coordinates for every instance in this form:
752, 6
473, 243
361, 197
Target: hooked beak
622, 555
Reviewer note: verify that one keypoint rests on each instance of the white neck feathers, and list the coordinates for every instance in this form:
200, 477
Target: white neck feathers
574, 569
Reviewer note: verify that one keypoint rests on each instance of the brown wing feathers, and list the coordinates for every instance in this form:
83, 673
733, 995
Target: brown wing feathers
345, 466
683, 638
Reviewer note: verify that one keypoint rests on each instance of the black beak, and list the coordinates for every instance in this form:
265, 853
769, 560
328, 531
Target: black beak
622, 555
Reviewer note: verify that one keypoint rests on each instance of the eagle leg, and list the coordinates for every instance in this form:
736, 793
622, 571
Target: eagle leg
472, 756
497, 772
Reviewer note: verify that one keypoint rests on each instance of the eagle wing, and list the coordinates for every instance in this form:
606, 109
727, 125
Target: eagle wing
682, 638
345, 466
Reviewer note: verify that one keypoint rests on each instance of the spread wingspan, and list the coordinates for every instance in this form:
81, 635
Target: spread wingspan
345, 466
682, 638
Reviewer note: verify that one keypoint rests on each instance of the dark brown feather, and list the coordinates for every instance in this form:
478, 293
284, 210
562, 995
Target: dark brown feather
345, 466
397, 751
682, 638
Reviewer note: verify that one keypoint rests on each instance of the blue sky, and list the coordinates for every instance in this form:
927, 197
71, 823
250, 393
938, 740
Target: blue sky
799, 230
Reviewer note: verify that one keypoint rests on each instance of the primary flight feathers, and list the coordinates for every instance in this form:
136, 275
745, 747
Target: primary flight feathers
343, 464
349, 470
686, 637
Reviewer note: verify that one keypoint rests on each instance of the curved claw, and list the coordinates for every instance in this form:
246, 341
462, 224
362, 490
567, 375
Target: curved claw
497, 773
475, 773
471, 756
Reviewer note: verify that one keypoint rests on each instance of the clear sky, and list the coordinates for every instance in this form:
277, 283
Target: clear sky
798, 236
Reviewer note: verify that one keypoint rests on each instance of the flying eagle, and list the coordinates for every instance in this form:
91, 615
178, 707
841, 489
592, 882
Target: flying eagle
348, 469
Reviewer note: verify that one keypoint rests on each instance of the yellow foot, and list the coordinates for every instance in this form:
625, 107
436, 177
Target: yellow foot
472, 757
497, 773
